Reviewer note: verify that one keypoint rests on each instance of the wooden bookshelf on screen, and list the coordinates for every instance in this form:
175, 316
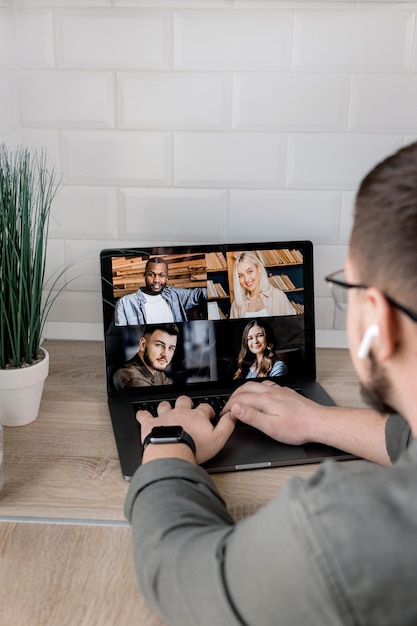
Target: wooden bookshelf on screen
184, 270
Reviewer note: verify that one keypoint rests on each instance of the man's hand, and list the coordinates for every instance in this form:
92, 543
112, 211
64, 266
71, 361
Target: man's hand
196, 422
279, 412
287, 416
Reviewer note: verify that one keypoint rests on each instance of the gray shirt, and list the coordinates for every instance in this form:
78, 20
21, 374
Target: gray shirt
338, 548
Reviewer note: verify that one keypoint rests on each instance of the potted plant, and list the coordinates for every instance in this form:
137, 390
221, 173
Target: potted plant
27, 189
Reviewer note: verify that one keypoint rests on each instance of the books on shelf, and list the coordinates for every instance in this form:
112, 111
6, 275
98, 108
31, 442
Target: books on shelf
282, 281
299, 308
184, 270
216, 261
280, 257
214, 311
215, 290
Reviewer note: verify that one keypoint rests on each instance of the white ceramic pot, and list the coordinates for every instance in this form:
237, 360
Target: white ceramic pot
21, 392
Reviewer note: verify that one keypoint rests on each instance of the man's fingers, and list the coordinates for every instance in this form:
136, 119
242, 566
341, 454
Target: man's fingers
248, 390
163, 407
243, 412
249, 415
142, 416
184, 402
245, 401
146, 421
225, 426
207, 409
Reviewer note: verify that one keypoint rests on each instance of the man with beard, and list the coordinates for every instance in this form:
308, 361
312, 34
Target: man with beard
157, 302
156, 350
339, 548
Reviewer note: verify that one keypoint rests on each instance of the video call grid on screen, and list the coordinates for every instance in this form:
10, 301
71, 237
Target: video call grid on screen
209, 341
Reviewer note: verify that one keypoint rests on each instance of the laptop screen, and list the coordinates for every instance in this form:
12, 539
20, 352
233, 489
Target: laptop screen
184, 318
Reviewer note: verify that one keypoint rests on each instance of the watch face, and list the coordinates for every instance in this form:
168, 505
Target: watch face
169, 434
166, 433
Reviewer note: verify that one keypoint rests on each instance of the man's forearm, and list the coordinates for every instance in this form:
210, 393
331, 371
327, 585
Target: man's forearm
195, 567
358, 431
179, 525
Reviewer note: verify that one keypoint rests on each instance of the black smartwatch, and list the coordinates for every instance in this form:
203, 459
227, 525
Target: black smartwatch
169, 434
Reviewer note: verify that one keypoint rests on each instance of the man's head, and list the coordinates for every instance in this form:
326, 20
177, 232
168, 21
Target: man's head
157, 346
156, 275
383, 255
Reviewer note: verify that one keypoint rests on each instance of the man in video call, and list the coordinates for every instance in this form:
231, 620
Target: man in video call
156, 350
157, 302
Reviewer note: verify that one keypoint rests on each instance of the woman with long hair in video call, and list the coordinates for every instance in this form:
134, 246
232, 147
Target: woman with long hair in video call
253, 293
256, 358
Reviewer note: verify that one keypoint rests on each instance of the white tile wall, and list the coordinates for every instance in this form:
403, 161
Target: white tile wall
384, 103
85, 213
105, 157
7, 98
358, 40
83, 273
290, 101
62, 3
151, 215
346, 216
334, 161
116, 39
279, 213
204, 120
9, 119
65, 99
324, 309
173, 100
229, 159
326, 260
7, 44
47, 140
249, 40
88, 305
35, 37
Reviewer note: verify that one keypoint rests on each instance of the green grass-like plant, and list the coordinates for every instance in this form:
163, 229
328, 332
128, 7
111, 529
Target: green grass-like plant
27, 189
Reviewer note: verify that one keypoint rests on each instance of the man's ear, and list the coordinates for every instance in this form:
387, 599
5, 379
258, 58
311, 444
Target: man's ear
385, 317
142, 344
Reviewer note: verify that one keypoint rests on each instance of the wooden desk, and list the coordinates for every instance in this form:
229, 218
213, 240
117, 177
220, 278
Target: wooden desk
69, 575
64, 543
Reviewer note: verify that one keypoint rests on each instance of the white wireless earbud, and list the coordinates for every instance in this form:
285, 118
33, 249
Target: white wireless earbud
371, 334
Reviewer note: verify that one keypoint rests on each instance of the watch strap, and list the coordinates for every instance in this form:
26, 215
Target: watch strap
184, 438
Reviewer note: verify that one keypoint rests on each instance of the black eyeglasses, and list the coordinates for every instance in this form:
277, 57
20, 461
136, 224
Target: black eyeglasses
340, 287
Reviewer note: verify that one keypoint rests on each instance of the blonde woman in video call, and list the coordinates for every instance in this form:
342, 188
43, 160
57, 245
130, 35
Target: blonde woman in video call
254, 295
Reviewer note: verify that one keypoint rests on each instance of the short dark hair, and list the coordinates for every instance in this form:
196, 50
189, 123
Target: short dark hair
171, 329
156, 259
383, 243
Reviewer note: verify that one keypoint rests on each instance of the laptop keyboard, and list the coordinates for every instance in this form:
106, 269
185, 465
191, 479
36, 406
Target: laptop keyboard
217, 402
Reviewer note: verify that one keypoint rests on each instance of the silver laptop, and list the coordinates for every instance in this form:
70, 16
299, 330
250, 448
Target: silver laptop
206, 303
